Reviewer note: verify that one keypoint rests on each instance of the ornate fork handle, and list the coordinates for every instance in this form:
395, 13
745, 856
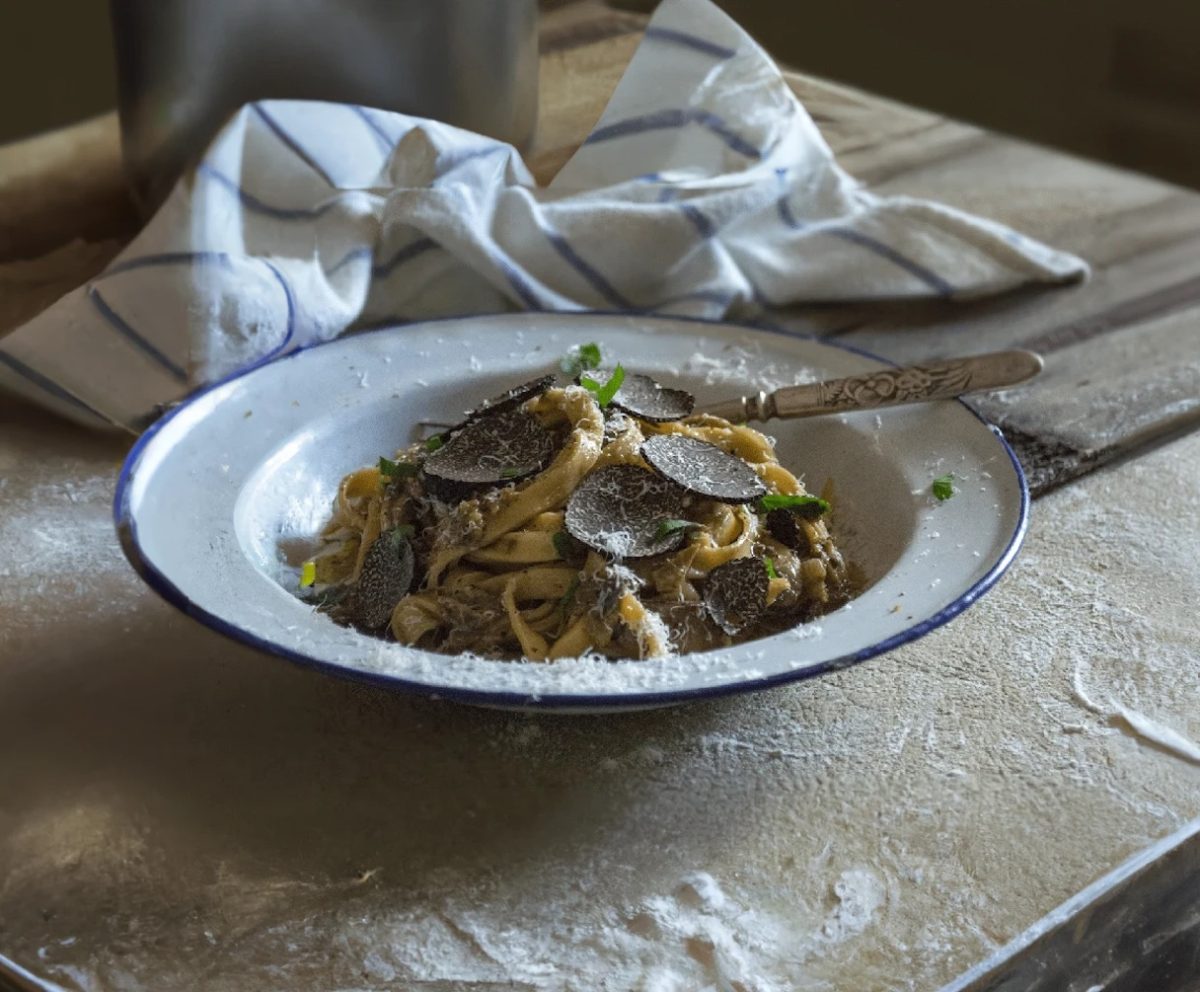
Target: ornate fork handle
887, 387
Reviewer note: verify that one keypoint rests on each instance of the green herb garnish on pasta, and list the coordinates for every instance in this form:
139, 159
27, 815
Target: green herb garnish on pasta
669, 527
396, 470
604, 393
806, 506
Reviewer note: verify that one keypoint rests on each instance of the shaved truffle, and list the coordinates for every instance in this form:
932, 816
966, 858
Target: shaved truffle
496, 449
785, 527
735, 594
645, 398
511, 398
703, 468
386, 577
619, 510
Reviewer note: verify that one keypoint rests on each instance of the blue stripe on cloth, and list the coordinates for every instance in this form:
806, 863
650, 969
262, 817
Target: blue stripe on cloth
292, 143
591, 274
928, 277
32, 375
354, 255
702, 224
405, 254
786, 215
692, 41
119, 324
663, 120
220, 258
519, 283
255, 205
788, 218
290, 328
385, 139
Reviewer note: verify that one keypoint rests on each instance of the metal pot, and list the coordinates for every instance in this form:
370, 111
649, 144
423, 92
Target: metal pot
184, 66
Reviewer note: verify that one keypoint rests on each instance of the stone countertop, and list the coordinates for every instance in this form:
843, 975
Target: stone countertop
178, 811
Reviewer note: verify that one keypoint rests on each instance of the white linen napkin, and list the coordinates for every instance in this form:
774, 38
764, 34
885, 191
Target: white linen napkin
705, 190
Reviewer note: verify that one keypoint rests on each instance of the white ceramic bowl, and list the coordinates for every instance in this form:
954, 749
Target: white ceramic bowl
219, 495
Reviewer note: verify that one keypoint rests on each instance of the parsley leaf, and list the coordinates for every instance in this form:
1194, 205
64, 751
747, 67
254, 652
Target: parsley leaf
670, 526
808, 507
563, 545
509, 473
436, 441
604, 393
396, 470
586, 356
403, 533
943, 487
770, 564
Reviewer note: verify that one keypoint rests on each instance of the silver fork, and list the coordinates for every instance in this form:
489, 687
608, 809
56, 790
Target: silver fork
886, 387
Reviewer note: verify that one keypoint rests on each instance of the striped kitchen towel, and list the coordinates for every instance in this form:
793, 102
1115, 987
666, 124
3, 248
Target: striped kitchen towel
704, 190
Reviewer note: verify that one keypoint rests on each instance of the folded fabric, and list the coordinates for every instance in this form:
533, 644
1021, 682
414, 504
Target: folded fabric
704, 190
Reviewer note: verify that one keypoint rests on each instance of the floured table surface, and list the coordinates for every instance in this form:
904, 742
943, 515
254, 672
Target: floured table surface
178, 812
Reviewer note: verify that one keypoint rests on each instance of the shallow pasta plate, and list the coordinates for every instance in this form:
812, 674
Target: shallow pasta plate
217, 497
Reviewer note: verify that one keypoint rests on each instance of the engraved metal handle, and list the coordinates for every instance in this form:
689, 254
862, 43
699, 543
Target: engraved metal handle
887, 387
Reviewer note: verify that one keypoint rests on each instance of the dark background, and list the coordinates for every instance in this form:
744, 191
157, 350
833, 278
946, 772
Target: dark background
1113, 79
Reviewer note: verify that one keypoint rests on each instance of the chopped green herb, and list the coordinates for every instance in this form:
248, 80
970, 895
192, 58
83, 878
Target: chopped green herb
403, 532
586, 356
604, 393
943, 487
509, 473
396, 470
434, 442
563, 544
308, 574
670, 526
770, 564
807, 506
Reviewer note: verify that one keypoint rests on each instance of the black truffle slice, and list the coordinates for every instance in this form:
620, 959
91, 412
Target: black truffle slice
511, 398
496, 449
645, 398
619, 510
703, 468
386, 577
785, 527
736, 594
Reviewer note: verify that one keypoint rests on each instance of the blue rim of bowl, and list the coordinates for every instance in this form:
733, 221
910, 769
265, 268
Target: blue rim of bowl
126, 527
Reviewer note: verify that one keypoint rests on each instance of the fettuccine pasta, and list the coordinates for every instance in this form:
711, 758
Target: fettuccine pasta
539, 560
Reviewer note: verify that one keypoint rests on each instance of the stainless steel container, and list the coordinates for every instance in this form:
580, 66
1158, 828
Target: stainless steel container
184, 66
